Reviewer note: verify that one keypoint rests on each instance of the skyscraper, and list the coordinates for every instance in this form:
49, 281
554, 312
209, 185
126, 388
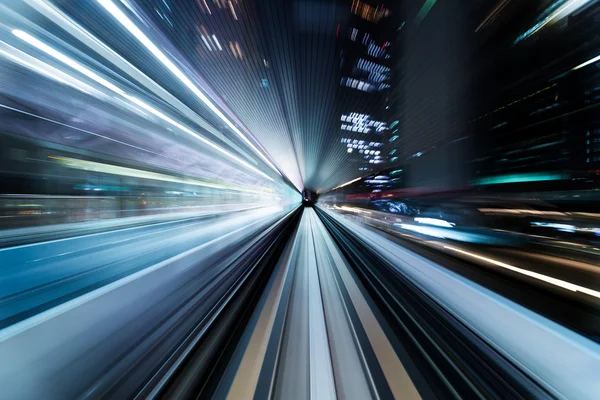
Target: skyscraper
365, 83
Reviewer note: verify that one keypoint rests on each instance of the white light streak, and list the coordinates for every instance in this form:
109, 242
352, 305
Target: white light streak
568, 8
192, 133
434, 221
206, 42
425, 230
44, 69
206, 5
214, 37
102, 49
47, 49
588, 62
71, 63
142, 38
347, 183
541, 277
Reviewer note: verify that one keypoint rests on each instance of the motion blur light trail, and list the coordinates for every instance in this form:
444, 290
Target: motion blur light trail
103, 82
114, 10
288, 199
63, 76
37, 276
322, 322
554, 281
557, 11
555, 275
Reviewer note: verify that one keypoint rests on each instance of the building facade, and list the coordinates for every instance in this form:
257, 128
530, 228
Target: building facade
366, 59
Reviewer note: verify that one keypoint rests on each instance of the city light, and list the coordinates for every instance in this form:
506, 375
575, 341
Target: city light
257, 199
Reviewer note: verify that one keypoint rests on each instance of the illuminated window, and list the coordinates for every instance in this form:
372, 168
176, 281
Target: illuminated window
370, 66
376, 51
358, 84
362, 123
